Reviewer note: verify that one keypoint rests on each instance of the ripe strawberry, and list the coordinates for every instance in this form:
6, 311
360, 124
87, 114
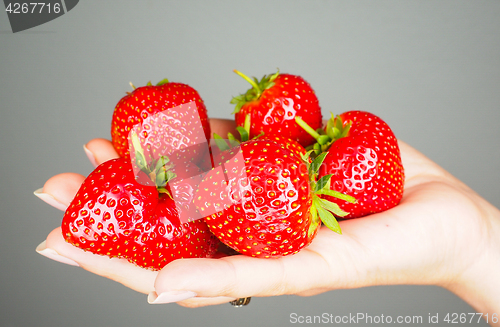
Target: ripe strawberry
364, 161
263, 200
149, 100
274, 102
112, 214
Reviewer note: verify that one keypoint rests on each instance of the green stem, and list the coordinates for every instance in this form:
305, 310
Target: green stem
162, 82
246, 125
249, 80
307, 128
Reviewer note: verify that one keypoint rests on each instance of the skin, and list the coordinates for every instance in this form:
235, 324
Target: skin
425, 240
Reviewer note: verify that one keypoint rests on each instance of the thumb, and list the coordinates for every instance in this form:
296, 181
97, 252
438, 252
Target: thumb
200, 282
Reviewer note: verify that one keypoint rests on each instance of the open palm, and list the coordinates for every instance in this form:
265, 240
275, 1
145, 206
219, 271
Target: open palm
442, 233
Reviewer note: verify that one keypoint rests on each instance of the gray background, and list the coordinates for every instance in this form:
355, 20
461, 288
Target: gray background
429, 68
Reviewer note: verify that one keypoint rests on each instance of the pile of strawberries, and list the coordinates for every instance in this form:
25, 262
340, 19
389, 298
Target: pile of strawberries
177, 191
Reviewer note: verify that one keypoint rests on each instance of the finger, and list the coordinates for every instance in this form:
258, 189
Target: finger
60, 190
243, 276
223, 126
100, 150
197, 302
119, 270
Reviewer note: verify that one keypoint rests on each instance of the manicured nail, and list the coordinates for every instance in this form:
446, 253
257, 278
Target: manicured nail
49, 199
169, 297
52, 254
90, 155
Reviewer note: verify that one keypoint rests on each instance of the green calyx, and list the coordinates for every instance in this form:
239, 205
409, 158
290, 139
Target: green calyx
159, 171
335, 130
254, 93
233, 141
160, 83
163, 81
323, 210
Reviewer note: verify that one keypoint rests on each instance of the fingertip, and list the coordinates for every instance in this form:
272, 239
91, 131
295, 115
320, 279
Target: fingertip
49, 199
169, 296
117, 269
100, 150
59, 190
90, 156
50, 253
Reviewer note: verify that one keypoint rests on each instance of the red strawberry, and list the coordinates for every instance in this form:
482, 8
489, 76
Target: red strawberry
149, 100
274, 102
364, 160
112, 214
262, 201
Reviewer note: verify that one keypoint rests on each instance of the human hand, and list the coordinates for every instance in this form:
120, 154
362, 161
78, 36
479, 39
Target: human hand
60, 190
426, 239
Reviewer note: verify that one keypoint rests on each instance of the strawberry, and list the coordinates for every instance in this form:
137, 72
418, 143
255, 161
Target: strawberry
149, 100
263, 200
274, 102
114, 215
364, 161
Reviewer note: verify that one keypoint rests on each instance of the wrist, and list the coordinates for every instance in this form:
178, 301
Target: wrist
479, 283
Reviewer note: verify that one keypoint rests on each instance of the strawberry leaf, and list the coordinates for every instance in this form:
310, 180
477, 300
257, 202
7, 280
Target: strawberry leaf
329, 220
161, 179
243, 133
273, 77
306, 156
317, 148
326, 191
140, 160
170, 175
239, 101
339, 124
233, 142
330, 126
162, 82
221, 143
315, 221
322, 183
345, 130
332, 207
162, 161
254, 93
164, 191
323, 139
326, 217
316, 164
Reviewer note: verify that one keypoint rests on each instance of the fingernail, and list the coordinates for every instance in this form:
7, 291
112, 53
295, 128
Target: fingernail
169, 297
49, 199
90, 155
52, 254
